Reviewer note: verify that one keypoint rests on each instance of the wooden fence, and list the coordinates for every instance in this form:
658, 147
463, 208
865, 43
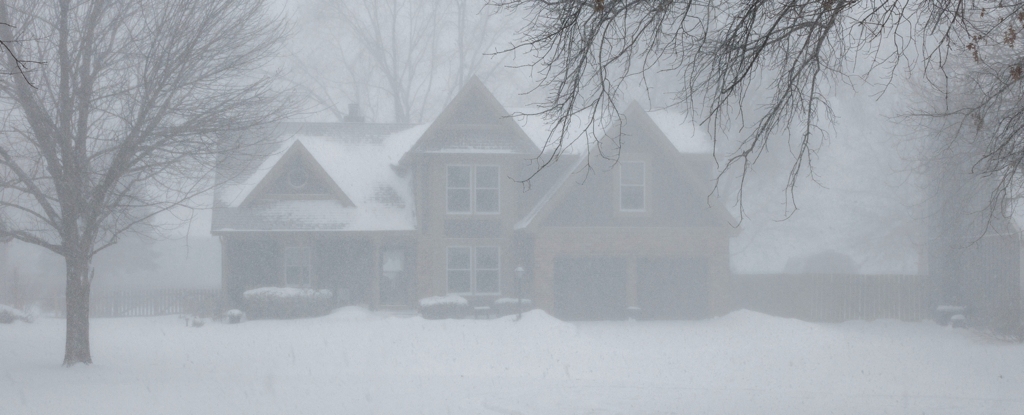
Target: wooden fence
834, 298
142, 303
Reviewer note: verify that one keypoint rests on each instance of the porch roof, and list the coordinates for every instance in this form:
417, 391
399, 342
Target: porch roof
359, 158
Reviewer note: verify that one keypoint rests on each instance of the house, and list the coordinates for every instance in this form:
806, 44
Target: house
386, 214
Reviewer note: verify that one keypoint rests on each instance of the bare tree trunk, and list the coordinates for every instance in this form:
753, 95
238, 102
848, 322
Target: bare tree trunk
401, 116
138, 101
76, 349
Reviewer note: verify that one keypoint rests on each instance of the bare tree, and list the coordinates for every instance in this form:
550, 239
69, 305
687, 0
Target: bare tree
398, 38
123, 120
773, 61
402, 59
478, 31
975, 107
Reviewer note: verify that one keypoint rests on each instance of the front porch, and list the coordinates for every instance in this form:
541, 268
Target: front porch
372, 270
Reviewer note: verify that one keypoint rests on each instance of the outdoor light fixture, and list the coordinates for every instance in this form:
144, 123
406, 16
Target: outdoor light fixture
519, 291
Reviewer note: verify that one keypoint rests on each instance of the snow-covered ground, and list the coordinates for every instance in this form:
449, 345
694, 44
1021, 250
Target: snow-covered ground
356, 362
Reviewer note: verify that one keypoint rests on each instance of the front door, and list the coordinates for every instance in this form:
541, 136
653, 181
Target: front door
394, 281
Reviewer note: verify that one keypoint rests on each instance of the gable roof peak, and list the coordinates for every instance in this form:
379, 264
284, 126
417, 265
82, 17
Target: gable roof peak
474, 122
474, 81
276, 167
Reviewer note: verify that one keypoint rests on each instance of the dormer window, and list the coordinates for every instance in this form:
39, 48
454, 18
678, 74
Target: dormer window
473, 189
632, 186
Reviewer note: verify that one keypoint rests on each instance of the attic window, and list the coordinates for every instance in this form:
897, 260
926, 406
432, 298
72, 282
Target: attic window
632, 183
298, 177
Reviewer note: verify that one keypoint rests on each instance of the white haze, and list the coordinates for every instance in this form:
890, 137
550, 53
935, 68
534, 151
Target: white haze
859, 201
863, 199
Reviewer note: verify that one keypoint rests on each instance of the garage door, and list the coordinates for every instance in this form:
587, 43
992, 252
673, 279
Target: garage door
673, 288
590, 289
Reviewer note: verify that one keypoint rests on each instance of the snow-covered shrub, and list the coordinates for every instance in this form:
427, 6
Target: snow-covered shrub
282, 302
944, 313
10, 314
441, 307
192, 320
507, 306
234, 316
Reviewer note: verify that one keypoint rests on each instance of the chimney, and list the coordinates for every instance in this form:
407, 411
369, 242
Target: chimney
353, 114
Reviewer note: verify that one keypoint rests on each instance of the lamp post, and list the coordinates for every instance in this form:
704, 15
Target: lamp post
519, 291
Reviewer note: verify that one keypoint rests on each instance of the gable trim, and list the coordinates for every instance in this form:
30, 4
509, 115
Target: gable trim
297, 150
443, 121
634, 113
646, 123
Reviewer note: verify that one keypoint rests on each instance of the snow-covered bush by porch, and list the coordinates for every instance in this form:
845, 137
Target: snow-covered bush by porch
507, 306
287, 292
440, 307
10, 314
286, 302
234, 316
450, 299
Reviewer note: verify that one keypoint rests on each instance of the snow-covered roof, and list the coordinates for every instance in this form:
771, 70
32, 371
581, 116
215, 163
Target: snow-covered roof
565, 170
364, 161
539, 129
687, 136
361, 162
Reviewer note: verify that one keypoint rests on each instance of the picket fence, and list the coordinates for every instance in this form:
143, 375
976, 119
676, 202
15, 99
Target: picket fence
144, 303
834, 298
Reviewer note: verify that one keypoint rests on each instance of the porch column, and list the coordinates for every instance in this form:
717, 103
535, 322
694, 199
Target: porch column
424, 271
375, 273
225, 270
631, 282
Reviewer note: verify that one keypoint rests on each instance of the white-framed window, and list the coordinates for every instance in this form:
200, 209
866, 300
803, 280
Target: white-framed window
486, 269
473, 189
460, 189
474, 270
297, 264
632, 186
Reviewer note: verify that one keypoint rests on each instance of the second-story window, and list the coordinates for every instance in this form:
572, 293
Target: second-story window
632, 182
486, 189
460, 189
473, 189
